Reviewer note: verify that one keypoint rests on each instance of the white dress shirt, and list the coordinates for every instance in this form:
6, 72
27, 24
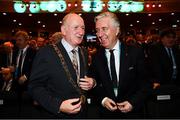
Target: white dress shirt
23, 58
117, 54
116, 51
69, 49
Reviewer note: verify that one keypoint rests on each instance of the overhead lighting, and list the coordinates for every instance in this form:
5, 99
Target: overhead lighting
55, 14
60, 22
131, 25
174, 26
43, 26
4, 13
69, 4
14, 20
149, 14
127, 14
153, 5
20, 24
172, 13
160, 20
159, 5
30, 15
177, 20
153, 23
137, 21
39, 22
147, 5
75, 4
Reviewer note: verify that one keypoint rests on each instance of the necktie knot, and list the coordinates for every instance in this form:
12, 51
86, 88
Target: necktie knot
75, 62
111, 51
73, 51
21, 52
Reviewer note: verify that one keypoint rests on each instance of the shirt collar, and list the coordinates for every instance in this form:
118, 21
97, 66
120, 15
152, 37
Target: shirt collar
24, 49
116, 47
67, 46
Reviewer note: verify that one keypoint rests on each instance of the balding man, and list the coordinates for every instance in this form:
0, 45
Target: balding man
58, 81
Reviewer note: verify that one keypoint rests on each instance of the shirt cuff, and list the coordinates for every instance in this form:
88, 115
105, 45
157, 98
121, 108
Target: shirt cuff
104, 99
25, 77
95, 83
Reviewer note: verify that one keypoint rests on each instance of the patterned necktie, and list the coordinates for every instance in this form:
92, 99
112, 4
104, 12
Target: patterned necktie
75, 62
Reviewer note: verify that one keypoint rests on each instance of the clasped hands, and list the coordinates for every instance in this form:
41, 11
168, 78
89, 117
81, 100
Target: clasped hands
124, 107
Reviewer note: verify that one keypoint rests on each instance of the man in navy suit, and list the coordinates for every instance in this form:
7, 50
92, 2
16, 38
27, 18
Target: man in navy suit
22, 62
119, 71
164, 60
58, 81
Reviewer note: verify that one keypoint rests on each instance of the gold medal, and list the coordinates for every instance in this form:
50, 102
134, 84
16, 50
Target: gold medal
83, 99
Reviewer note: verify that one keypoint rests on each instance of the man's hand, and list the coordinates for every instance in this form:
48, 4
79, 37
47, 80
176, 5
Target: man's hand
12, 68
22, 79
156, 85
110, 104
86, 83
125, 107
68, 107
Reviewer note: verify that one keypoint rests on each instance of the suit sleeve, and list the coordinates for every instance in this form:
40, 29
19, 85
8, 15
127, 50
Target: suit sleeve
39, 81
98, 90
144, 86
154, 63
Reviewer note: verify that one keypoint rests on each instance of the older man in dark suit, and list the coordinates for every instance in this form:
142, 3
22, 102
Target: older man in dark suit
119, 72
58, 81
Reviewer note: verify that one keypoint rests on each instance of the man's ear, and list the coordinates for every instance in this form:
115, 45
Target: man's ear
118, 32
63, 30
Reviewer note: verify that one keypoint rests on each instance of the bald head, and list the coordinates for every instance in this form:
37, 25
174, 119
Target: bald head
69, 17
73, 29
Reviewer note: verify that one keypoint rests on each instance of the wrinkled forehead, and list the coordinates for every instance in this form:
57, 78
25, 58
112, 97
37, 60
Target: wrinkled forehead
72, 18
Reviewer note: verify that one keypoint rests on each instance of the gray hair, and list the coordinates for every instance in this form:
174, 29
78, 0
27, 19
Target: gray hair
111, 16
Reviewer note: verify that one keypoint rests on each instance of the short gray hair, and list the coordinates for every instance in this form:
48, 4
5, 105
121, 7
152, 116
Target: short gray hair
111, 16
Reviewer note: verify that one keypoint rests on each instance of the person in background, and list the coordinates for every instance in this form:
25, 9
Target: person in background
22, 63
8, 95
55, 38
164, 60
40, 42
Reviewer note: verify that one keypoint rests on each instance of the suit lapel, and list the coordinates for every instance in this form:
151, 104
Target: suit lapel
165, 55
83, 70
123, 65
105, 70
68, 61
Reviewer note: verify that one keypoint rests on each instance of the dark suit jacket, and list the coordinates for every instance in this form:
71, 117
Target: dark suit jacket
132, 81
49, 84
161, 67
26, 69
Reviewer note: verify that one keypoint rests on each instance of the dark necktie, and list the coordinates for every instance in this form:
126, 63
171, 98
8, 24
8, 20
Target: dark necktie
113, 69
170, 55
20, 63
174, 74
